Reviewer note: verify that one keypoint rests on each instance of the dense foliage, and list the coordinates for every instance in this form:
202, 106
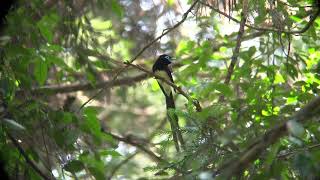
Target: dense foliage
78, 98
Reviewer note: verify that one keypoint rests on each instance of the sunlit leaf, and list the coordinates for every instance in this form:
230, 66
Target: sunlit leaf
41, 71
74, 166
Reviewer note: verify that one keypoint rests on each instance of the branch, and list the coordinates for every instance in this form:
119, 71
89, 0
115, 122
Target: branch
178, 89
284, 155
237, 165
54, 89
236, 51
113, 171
135, 142
304, 29
28, 160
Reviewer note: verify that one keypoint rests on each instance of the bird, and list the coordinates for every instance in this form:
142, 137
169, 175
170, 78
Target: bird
161, 68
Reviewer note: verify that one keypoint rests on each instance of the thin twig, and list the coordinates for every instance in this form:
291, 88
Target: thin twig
161, 124
135, 142
281, 156
236, 51
130, 140
114, 170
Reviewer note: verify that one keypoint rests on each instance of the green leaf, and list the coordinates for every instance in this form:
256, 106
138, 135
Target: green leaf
95, 166
272, 154
91, 123
67, 117
116, 8
47, 24
40, 71
170, 2
110, 152
224, 89
74, 166
91, 77
296, 18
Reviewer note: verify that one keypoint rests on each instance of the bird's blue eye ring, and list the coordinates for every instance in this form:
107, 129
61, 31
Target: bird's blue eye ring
167, 57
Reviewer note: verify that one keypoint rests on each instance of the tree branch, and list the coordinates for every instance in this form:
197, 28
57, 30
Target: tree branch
87, 86
237, 165
135, 142
236, 51
284, 155
113, 171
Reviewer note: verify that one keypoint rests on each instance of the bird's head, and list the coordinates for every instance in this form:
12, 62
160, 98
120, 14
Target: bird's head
163, 62
165, 59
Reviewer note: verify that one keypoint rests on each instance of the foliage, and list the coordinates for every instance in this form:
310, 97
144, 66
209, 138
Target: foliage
77, 110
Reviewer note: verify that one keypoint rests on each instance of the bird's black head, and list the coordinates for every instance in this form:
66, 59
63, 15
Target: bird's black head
162, 62
165, 59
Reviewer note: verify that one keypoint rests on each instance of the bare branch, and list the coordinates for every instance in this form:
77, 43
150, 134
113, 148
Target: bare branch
161, 124
284, 155
121, 164
135, 142
87, 86
236, 51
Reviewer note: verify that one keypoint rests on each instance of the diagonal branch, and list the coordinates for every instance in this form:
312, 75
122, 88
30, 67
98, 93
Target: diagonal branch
236, 51
254, 151
54, 89
135, 142
308, 148
117, 167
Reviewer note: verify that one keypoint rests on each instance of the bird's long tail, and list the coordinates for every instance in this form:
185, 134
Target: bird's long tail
173, 119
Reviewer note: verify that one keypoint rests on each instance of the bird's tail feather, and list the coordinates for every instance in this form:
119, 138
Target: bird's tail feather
173, 119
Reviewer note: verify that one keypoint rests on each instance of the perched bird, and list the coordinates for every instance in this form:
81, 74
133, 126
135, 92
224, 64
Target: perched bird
162, 69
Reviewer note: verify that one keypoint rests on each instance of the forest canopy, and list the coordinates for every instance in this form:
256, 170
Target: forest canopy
79, 97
